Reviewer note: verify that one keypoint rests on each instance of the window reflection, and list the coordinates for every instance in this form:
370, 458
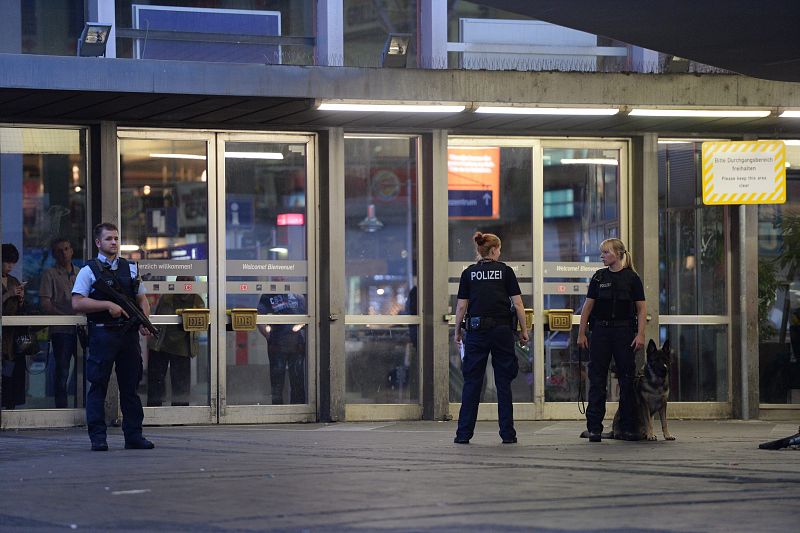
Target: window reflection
381, 268
699, 370
693, 250
512, 223
692, 243
779, 290
382, 365
43, 195
266, 224
380, 224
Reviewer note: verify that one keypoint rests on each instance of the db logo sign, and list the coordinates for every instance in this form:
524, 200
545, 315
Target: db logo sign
187, 287
243, 287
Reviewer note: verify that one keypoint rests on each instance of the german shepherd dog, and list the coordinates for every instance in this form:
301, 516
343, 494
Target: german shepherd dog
650, 391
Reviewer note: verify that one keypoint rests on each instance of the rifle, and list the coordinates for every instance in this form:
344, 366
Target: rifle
127, 304
793, 440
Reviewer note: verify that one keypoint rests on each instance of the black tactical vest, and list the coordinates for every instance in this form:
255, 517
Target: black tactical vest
614, 300
119, 278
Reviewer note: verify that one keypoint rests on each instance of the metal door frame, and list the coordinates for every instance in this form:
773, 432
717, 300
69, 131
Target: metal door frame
538, 409
53, 417
261, 414
218, 411
193, 414
355, 412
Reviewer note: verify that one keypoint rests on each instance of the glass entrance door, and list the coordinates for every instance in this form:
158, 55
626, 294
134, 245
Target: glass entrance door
219, 221
551, 202
166, 182
267, 293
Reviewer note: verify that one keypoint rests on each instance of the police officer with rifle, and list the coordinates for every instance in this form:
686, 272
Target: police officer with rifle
108, 291
489, 299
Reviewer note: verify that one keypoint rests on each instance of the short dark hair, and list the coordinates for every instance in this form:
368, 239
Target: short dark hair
58, 240
104, 226
10, 253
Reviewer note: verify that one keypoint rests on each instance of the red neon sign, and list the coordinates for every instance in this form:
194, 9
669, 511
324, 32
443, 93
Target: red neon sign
291, 219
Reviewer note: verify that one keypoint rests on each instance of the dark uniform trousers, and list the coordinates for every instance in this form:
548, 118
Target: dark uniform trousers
604, 342
110, 346
64, 350
477, 345
287, 353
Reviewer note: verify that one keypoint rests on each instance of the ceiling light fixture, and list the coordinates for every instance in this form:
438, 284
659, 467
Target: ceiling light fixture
699, 113
790, 114
392, 108
519, 110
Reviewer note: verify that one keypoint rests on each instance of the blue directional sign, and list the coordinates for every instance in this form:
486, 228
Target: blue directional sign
469, 203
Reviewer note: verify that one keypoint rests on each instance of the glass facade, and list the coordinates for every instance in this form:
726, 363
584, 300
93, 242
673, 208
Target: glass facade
507, 172
52, 27
779, 290
266, 248
248, 23
693, 266
381, 257
581, 208
43, 190
368, 23
164, 228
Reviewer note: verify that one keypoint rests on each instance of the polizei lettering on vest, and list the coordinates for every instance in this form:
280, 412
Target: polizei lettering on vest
487, 274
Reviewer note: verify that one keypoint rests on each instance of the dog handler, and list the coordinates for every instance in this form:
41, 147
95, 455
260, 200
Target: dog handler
488, 299
615, 312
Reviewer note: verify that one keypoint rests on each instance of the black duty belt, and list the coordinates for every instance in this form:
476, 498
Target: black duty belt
482, 323
614, 323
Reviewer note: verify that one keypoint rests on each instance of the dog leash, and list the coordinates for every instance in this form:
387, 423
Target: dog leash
581, 403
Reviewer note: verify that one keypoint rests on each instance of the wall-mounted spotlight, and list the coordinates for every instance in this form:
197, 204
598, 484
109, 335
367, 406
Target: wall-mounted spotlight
94, 38
395, 50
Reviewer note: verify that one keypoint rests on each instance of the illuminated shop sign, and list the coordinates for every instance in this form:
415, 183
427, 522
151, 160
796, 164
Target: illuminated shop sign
473, 183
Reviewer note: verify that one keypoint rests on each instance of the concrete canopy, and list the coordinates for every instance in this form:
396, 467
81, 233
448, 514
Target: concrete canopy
758, 39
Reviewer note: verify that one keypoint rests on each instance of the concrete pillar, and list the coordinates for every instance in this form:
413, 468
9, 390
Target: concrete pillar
330, 33
432, 34
643, 224
331, 276
105, 11
744, 313
434, 298
10, 27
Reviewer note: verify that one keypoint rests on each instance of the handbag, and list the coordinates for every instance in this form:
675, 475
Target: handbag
25, 343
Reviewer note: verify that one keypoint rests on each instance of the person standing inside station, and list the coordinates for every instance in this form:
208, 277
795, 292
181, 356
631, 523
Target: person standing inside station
13, 382
112, 341
489, 298
55, 295
615, 313
286, 346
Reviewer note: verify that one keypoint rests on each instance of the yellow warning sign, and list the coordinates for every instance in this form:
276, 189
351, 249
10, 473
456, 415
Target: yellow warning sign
744, 172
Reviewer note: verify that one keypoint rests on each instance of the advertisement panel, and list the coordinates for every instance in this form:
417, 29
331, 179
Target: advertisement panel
473, 183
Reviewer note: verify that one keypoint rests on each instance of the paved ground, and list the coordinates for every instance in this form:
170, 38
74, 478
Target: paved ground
402, 476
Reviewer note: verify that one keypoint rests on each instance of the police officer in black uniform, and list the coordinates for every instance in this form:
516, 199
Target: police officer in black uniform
112, 342
488, 301
615, 313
